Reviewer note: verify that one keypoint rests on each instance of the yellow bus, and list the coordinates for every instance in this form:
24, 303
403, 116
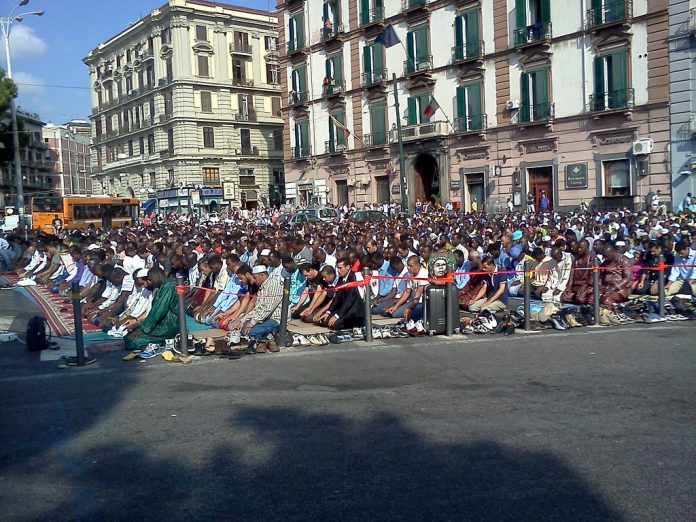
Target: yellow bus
82, 212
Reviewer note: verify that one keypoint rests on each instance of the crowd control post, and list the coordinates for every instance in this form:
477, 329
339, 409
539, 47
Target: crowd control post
284, 310
183, 333
368, 306
450, 295
527, 296
79, 339
595, 292
661, 286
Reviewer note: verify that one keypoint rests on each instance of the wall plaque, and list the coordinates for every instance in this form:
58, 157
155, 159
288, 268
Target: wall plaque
576, 176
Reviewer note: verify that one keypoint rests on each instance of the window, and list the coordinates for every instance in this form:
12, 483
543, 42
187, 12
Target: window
153, 180
238, 72
337, 136
211, 176
278, 178
532, 19
246, 177
275, 106
129, 84
417, 50
167, 98
272, 73
617, 178
241, 42
468, 109
170, 68
141, 144
416, 109
301, 132
605, 11
296, 32
98, 127
373, 64
371, 13
334, 72
201, 33
611, 82
203, 70
298, 82
378, 124
166, 36
150, 143
246, 106
270, 43
245, 136
170, 141
150, 77
534, 104
208, 137
130, 148
206, 101
466, 35
278, 139
330, 18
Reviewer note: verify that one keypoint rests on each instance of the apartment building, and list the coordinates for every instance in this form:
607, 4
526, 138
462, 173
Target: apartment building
69, 154
186, 108
567, 97
682, 87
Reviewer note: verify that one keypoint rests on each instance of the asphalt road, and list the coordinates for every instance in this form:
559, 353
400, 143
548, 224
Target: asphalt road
593, 424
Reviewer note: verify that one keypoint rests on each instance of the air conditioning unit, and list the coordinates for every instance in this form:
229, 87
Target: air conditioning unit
512, 104
641, 147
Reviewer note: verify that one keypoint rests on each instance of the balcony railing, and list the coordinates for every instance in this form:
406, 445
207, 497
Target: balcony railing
412, 4
166, 153
295, 45
124, 162
418, 64
147, 54
536, 112
250, 151
468, 51
375, 139
165, 117
298, 98
374, 77
334, 88
424, 130
242, 82
240, 48
472, 123
299, 152
329, 33
372, 16
610, 12
612, 100
532, 33
245, 116
333, 146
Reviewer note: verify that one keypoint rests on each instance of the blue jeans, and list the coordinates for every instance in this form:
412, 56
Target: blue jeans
381, 308
262, 329
416, 312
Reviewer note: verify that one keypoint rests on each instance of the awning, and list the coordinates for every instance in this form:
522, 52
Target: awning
148, 205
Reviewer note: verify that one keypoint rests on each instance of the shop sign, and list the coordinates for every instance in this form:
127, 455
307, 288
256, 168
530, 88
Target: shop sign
576, 176
211, 192
228, 191
396, 189
454, 184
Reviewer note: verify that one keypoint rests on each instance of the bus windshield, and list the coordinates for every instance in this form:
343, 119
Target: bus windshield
46, 204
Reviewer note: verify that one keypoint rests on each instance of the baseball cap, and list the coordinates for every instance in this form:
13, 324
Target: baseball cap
517, 235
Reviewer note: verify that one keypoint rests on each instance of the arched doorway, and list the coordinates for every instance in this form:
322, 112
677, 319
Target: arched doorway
426, 178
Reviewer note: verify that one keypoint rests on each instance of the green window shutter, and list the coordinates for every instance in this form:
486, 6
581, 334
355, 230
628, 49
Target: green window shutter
325, 13
340, 135
297, 140
524, 95
299, 29
461, 103
331, 135
338, 68
423, 100
304, 129
619, 83
412, 112
328, 65
410, 52
422, 43
364, 11
291, 30
596, 12
521, 13
474, 108
599, 94
293, 79
377, 58
542, 108
302, 79
472, 33
545, 10
367, 62
378, 124
458, 38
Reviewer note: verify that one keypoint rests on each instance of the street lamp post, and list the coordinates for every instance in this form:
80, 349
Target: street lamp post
6, 26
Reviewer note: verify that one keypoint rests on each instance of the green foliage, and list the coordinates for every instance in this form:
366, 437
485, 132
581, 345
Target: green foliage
8, 91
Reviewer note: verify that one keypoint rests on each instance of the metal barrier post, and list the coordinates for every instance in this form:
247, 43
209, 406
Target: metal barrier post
284, 311
595, 292
368, 306
661, 286
79, 339
527, 296
450, 295
183, 333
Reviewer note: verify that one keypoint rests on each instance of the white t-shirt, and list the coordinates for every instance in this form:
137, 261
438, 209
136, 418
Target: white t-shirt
413, 284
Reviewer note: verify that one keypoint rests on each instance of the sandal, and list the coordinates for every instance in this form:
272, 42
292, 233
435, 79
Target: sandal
132, 355
62, 363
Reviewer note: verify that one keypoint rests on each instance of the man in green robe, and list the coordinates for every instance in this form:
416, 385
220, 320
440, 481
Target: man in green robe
163, 320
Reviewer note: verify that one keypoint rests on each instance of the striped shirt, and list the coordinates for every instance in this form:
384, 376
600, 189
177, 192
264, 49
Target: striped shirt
268, 301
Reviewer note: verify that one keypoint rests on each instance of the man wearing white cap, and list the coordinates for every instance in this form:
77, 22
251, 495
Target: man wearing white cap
138, 305
265, 317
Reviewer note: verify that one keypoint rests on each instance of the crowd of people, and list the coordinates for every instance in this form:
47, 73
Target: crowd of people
234, 269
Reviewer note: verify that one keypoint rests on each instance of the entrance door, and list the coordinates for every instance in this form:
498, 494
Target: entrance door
342, 192
475, 193
426, 178
382, 185
541, 183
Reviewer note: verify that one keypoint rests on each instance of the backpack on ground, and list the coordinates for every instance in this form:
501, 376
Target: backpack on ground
38, 336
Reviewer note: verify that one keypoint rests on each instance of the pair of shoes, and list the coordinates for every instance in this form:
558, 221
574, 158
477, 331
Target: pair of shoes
64, 362
251, 348
415, 328
274, 348
358, 333
262, 347
340, 337
318, 339
386, 332
556, 322
130, 356
398, 332
233, 337
300, 340
152, 350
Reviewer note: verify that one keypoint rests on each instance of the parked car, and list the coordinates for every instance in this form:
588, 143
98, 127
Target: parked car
297, 219
365, 216
325, 214
213, 217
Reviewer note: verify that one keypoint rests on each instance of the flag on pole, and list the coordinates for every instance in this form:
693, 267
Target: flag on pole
341, 127
388, 37
431, 108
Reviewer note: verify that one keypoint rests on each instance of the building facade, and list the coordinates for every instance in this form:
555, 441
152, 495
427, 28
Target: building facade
69, 152
187, 100
37, 179
682, 87
568, 97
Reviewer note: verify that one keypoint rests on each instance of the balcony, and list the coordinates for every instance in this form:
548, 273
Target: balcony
166, 154
618, 100
147, 54
692, 20
298, 98
240, 48
371, 16
334, 89
610, 13
468, 51
536, 112
295, 46
299, 152
424, 130
376, 139
472, 123
250, 151
165, 117
124, 162
531, 34
374, 77
418, 65
245, 116
335, 146
329, 33
242, 82
408, 5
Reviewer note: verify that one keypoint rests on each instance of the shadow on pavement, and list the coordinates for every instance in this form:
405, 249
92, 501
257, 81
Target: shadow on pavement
284, 464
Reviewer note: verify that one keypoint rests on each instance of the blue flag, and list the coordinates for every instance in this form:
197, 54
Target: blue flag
388, 37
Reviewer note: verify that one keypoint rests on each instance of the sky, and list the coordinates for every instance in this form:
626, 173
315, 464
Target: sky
47, 51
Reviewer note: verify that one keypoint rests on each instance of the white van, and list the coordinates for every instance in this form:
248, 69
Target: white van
9, 223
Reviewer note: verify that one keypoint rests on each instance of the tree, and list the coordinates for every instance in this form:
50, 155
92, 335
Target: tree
8, 91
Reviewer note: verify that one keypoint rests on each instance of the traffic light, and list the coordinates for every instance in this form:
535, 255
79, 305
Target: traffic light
243, 196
